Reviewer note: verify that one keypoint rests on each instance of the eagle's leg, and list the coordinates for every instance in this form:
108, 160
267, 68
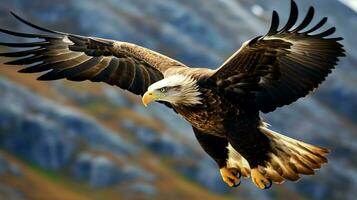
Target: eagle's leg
216, 147
254, 147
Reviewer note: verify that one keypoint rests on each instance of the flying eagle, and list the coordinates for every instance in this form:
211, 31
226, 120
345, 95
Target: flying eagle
222, 105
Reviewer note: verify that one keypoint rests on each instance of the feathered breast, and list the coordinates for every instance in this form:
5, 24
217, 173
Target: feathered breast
208, 116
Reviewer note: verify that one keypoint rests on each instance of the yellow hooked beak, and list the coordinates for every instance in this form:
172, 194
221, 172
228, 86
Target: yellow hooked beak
149, 97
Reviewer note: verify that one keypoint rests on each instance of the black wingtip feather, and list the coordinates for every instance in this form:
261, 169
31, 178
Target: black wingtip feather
29, 70
42, 78
24, 71
36, 68
336, 39
49, 76
307, 20
317, 26
26, 60
24, 45
274, 24
16, 33
33, 25
328, 32
292, 18
22, 53
13, 62
28, 35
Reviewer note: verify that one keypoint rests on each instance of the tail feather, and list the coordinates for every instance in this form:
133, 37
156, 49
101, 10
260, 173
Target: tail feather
274, 175
290, 157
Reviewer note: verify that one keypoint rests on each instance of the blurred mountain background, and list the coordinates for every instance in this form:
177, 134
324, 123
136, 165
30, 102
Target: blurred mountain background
74, 141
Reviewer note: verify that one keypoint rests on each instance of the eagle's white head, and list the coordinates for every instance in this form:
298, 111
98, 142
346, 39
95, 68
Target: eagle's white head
175, 89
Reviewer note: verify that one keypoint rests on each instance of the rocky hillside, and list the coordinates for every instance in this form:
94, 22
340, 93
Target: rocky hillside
91, 141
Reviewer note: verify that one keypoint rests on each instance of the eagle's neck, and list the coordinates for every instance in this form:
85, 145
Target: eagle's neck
187, 94
189, 97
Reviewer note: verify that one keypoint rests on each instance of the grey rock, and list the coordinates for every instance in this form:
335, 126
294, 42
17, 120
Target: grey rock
205, 172
168, 146
115, 97
174, 122
3, 165
161, 143
35, 140
11, 193
46, 133
208, 175
142, 188
15, 170
131, 172
7, 167
100, 171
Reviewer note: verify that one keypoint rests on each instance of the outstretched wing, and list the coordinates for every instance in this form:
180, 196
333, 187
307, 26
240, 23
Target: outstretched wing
281, 66
80, 58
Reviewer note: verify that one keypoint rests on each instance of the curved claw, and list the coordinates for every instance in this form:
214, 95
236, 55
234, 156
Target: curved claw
237, 184
238, 175
260, 180
269, 186
231, 176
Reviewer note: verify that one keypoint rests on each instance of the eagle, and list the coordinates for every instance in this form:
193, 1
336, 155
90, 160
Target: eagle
222, 105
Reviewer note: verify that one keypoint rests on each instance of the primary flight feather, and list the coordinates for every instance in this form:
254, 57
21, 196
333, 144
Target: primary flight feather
222, 105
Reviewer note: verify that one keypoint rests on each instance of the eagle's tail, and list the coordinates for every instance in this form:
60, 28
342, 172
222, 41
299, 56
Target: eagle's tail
290, 157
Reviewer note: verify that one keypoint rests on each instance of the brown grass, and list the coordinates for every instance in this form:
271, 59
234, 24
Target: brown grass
37, 186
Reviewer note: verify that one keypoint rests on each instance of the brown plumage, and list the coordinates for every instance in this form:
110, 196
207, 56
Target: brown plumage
222, 105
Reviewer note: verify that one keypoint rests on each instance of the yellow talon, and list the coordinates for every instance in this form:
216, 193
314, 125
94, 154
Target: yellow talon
229, 175
259, 180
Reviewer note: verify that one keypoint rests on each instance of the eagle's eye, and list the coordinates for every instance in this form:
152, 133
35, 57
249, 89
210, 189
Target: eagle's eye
163, 89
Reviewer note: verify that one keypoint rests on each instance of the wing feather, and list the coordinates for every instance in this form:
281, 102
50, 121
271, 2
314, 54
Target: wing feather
24, 53
287, 64
78, 58
130, 71
274, 24
317, 26
307, 20
292, 18
104, 71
